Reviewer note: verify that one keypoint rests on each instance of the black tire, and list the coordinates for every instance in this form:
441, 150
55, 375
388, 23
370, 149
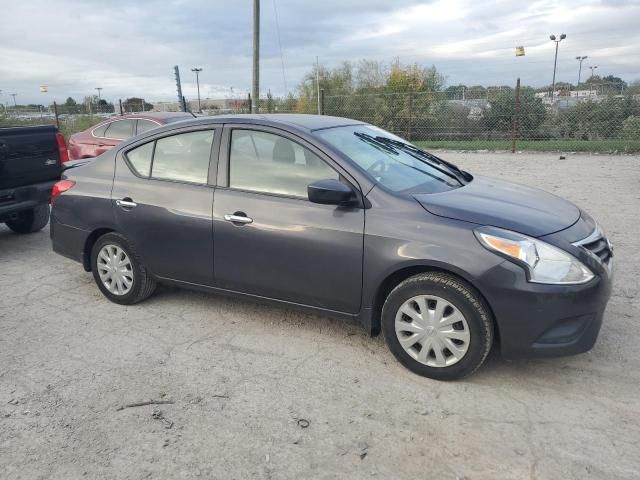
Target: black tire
30, 221
143, 283
465, 298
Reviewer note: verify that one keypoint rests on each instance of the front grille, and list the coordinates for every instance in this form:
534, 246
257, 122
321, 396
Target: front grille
598, 245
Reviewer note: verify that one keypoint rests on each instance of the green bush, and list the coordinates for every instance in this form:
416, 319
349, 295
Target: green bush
631, 128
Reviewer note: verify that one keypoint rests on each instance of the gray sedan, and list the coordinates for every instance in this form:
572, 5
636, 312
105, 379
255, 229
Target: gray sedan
345, 219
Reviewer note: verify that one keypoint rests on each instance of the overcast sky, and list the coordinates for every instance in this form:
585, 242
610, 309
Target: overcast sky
129, 48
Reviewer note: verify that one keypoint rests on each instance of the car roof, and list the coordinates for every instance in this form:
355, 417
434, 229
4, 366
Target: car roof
158, 116
299, 120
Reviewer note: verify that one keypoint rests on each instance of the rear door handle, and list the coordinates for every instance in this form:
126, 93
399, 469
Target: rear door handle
237, 218
126, 203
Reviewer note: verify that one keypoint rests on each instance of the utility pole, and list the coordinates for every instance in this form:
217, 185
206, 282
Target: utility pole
555, 62
580, 59
255, 87
99, 89
14, 95
516, 119
318, 82
591, 79
197, 71
183, 107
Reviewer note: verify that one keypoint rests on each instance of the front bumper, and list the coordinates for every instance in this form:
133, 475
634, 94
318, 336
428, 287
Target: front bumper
536, 320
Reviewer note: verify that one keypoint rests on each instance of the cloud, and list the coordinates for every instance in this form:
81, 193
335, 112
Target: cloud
129, 48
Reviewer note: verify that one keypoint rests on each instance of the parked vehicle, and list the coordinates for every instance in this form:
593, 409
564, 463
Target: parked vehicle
341, 218
30, 164
98, 139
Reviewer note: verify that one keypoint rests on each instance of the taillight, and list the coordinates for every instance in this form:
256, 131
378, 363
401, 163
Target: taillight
60, 187
62, 148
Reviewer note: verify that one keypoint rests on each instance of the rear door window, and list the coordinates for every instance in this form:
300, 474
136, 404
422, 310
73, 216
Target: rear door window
120, 129
183, 157
145, 126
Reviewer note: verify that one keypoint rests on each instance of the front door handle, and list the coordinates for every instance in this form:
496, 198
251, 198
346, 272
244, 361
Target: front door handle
233, 218
126, 203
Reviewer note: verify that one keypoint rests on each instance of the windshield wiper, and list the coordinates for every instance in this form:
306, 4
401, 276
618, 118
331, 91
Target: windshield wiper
418, 154
373, 141
407, 147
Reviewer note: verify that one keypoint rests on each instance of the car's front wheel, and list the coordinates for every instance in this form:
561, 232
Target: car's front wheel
119, 272
437, 326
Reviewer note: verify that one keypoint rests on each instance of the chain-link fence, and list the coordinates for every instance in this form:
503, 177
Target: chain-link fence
70, 117
501, 120
493, 119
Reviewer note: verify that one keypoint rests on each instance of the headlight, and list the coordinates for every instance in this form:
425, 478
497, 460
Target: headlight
544, 263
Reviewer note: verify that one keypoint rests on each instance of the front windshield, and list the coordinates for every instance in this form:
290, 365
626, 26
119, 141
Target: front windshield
393, 162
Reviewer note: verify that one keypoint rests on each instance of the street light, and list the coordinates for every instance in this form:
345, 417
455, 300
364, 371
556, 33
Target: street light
197, 71
555, 62
14, 95
99, 89
580, 59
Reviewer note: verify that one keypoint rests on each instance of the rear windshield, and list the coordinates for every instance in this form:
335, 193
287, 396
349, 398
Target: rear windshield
391, 161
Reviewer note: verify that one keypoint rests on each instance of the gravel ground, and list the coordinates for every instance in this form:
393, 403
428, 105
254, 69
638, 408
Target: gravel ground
244, 379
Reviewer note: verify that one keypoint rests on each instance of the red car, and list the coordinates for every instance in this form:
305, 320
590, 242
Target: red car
104, 136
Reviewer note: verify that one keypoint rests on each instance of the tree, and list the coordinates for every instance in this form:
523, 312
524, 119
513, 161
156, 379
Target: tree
615, 83
633, 88
105, 107
475, 92
370, 76
532, 112
136, 104
70, 106
455, 92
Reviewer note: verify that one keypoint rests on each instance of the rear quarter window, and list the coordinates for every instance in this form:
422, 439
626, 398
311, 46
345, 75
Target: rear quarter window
140, 159
99, 131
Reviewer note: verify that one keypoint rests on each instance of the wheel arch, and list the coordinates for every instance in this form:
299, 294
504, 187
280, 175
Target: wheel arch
89, 243
393, 279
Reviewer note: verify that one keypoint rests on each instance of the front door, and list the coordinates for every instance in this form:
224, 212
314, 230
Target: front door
269, 239
163, 204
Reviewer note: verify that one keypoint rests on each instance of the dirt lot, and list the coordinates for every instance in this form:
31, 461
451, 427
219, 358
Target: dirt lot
243, 377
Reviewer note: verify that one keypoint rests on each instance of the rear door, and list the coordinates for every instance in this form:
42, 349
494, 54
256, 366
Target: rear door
28, 155
143, 125
107, 136
162, 199
284, 246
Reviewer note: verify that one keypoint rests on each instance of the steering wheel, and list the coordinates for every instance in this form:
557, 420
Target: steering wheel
376, 168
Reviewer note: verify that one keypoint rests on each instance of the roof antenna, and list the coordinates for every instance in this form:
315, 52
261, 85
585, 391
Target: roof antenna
187, 108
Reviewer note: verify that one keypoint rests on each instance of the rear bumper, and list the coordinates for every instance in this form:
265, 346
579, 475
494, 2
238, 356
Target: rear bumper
68, 241
536, 320
18, 199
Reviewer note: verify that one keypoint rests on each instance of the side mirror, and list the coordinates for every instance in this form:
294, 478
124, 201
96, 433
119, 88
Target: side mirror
330, 192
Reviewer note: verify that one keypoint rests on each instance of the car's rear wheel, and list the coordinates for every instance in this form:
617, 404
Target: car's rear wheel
118, 271
437, 326
30, 221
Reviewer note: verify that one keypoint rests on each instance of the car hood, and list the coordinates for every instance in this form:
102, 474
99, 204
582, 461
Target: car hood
488, 201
